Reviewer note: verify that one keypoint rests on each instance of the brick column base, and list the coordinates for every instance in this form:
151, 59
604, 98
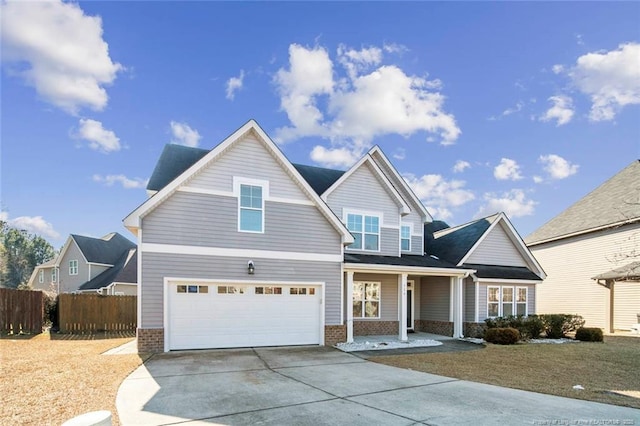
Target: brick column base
443, 328
474, 329
372, 328
150, 340
334, 334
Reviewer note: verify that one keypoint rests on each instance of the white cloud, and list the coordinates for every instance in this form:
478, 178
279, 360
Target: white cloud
395, 48
99, 138
400, 154
127, 183
611, 79
234, 84
335, 157
460, 166
557, 68
516, 108
562, 110
557, 167
514, 203
59, 51
372, 100
32, 224
438, 194
508, 169
538, 179
183, 134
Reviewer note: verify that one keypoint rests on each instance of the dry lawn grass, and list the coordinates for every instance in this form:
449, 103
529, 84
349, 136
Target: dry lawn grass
48, 379
546, 368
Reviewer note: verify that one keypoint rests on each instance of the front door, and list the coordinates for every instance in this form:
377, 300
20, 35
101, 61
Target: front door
409, 305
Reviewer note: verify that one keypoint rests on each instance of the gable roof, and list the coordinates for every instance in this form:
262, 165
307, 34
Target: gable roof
106, 250
367, 159
456, 245
319, 178
123, 271
613, 203
174, 160
132, 221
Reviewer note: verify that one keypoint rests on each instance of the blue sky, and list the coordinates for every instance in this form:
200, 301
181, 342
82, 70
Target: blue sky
536, 103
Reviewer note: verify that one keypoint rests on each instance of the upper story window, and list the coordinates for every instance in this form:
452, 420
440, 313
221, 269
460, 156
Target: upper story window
365, 230
251, 195
41, 277
405, 237
54, 277
73, 267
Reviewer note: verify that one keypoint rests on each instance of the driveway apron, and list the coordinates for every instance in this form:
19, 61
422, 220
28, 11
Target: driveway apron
314, 385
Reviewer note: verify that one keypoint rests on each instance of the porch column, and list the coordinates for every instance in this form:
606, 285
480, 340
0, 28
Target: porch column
457, 306
349, 306
402, 307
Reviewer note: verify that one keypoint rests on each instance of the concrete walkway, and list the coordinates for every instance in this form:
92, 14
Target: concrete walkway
324, 386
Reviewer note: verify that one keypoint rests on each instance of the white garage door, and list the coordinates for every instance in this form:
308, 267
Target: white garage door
206, 315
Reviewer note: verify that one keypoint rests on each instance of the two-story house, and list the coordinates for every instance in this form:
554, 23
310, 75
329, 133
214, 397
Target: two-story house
105, 265
239, 247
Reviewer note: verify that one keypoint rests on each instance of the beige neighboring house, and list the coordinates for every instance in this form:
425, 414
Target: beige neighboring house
590, 253
106, 265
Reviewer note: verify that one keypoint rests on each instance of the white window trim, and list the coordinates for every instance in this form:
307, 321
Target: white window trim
499, 300
514, 302
73, 270
502, 302
264, 184
363, 213
41, 276
54, 275
526, 300
365, 299
410, 226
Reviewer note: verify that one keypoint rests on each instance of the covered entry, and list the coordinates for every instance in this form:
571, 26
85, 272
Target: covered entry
207, 314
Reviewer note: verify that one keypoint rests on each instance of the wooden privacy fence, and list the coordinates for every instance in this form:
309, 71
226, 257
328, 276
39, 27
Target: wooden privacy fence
94, 312
21, 311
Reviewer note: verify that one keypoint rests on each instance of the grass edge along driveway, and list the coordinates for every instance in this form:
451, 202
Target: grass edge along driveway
601, 368
49, 379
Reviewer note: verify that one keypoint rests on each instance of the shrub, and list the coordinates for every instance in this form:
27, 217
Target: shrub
533, 327
502, 336
589, 334
529, 327
557, 326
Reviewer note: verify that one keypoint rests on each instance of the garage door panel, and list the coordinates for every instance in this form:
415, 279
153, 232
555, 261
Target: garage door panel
222, 320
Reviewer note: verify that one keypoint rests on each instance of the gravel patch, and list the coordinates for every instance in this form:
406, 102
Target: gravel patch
553, 341
377, 346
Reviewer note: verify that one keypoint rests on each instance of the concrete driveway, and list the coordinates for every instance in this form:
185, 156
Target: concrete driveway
320, 385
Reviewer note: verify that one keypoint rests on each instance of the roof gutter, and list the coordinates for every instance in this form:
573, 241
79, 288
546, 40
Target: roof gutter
417, 270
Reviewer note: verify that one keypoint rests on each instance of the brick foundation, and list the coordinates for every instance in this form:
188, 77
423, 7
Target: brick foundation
150, 340
334, 334
443, 328
474, 329
369, 328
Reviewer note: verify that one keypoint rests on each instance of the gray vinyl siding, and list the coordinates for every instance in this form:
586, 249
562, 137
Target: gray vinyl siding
212, 221
469, 300
388, 296
435, 293
364, 191
416, 246
531, 297
96, 270
497, 249
389, 244
46, 284
69, 283
157, 266
248, 158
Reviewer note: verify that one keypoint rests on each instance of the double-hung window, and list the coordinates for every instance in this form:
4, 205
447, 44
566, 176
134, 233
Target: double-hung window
366, 300
54, 278
251, 195
504, 301
405, 237
41, 277
365, 230
73, 267
521, 301
493, 302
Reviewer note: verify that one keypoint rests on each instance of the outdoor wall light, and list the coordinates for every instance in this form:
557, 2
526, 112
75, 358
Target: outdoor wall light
251, 267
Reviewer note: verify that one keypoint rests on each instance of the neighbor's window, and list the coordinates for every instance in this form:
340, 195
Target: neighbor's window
73, 267
365, 230
493, 302
521, 300
53, 275
366, 300
251, 208
41, 277
405, 238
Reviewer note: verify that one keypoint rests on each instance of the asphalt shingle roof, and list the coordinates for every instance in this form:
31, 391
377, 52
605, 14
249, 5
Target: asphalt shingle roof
629, 272
503, 272
122, 272
320, 179
614, 201
174, 160
405, 260
107, 249
452, 244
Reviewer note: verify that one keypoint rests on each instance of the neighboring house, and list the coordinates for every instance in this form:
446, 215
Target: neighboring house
106, 265
239, 247
590, 252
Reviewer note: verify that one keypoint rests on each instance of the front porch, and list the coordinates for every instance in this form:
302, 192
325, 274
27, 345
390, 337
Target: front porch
409, 302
